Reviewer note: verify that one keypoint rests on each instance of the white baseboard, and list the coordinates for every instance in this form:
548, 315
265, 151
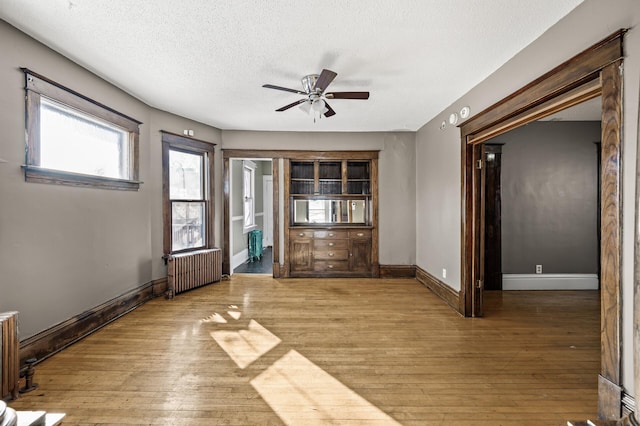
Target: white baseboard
628, 404
549, 282
239, 258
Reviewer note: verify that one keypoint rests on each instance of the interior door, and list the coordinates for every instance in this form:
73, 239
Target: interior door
479, 180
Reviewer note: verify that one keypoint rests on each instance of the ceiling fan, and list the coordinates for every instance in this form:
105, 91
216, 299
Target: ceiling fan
315, 100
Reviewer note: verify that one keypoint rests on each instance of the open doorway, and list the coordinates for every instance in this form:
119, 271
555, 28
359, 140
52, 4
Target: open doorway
251, 216
595, 72
541, 203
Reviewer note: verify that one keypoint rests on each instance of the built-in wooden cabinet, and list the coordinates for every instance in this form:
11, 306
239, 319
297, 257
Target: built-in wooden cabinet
331, 252
331, 226
360, 250
323, 177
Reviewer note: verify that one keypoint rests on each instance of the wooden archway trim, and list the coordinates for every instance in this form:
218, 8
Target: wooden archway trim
594, 72
583, 67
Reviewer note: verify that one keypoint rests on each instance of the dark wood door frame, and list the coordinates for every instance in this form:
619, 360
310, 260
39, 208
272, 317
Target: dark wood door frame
238, 154
595, 72
493, 217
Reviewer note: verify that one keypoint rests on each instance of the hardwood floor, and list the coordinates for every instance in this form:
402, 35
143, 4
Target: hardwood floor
332, 351
264, 265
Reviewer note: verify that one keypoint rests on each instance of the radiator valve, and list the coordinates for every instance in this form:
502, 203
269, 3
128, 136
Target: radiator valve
28, 374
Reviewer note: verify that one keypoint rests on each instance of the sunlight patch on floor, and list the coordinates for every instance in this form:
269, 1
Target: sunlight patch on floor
246, 346
300, 392
215, 318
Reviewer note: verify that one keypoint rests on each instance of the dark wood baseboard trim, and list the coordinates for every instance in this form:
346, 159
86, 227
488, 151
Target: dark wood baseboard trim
397, 271
609, 399
159, 287
62, 335
443, 291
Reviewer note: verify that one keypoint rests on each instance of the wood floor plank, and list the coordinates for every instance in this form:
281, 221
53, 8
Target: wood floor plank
534, 358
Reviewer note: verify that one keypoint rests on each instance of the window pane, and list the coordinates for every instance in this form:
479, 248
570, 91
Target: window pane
78, 143
185, 176
187, 225
248, 212
248, 194
246, 180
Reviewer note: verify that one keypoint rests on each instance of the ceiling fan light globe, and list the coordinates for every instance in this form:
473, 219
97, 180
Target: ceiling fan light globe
318, 105
306, 107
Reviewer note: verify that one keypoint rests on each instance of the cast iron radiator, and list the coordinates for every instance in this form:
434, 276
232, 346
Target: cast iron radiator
9, 353
255, 245
194, 269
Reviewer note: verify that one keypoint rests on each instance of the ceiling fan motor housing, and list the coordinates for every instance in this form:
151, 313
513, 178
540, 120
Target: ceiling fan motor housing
309, 82
314, 86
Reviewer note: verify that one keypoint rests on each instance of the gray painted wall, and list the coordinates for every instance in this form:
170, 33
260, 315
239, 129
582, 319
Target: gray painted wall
239, 243
550, 197
63, 249
438, 153
397, 213
236, 187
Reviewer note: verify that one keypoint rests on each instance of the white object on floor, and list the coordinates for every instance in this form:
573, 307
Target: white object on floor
39, 418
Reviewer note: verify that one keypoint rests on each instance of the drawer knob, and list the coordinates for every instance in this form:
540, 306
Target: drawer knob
330, 266
331, 244
331, 234
301, 234
360, 234
330, 254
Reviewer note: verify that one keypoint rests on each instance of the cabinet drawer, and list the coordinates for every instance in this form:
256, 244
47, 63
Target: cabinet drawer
360, 233
330, 265
331, 254
330, 244
331, 234
300, 233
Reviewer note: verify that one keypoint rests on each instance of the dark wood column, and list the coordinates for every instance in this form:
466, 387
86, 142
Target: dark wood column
492, 218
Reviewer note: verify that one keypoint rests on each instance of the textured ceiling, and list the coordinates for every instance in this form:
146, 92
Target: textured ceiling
207, 60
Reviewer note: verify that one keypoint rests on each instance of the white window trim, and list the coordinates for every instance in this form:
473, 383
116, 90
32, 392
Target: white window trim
246, 228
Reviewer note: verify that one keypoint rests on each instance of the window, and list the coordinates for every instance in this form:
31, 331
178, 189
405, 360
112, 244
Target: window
188, 193
248, 194
74, 140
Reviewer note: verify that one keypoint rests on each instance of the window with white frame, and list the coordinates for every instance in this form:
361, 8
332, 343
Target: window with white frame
74, 140
248, 195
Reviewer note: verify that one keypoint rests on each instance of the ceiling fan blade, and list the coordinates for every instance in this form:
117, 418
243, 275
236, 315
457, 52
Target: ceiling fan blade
324, 80
330, 110
347, 95
271, 86
291, 105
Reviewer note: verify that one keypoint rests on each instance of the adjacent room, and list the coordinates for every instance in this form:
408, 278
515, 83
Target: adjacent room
403, 213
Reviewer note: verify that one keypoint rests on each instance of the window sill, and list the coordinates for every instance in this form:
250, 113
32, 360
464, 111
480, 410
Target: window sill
249, 229
58, 177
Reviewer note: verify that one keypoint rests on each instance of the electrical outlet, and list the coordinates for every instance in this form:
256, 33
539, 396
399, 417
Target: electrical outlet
538, 269
444, 273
